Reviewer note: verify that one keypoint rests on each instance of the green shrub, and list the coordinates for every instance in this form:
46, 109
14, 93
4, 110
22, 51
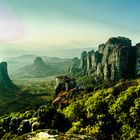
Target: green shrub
108, 113
52, 119
75, 110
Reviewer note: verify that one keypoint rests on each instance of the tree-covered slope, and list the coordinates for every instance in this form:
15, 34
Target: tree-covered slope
103, 111
107, 113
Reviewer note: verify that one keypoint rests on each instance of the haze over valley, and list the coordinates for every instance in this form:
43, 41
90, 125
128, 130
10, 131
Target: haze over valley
69, 70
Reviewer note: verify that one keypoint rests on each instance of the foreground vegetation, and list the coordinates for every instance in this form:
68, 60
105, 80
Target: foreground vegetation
105, 111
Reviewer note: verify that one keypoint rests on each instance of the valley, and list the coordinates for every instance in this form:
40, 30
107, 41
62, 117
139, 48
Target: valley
70, 100
69, 70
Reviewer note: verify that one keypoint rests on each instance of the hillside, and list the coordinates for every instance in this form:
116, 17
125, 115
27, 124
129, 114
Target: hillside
111, 111
100, 100
41, 69
105, 111
17, 63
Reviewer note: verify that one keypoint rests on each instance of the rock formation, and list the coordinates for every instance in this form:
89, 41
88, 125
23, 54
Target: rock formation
137, 68
39, 62
5, 82
64, 83
114, 60
83, 62
74, 68
37, 69
64, 89
41, 68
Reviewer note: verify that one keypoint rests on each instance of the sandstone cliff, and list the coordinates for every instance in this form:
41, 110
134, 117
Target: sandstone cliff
114, 60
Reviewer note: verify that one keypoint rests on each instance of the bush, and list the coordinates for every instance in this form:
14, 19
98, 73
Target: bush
96, 112
52, 119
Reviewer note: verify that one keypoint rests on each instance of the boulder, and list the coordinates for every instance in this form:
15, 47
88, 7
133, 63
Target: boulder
24, 127
14, 124
46, 134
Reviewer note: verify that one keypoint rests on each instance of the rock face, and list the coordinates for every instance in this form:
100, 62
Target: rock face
5, 82
74, 68
64, 83
114, 60
83, 62
137, 68
63, 88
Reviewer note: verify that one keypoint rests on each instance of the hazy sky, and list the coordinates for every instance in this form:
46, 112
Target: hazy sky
35, 24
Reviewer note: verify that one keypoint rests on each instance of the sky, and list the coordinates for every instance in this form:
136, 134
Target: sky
32, 26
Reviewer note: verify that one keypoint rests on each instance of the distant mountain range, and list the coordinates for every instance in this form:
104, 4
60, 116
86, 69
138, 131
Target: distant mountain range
53, 56
67, 50
29, 58
34, 66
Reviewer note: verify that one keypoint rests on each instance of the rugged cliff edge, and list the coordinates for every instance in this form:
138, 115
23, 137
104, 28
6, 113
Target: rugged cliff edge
114, 60
5, 81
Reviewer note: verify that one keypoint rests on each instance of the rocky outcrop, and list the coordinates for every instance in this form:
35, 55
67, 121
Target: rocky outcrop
65, 88
5, 81
83, 62
74, 68
37, 69
39, 62
41, 68
64, 83
114, 60
52, 134
137, 68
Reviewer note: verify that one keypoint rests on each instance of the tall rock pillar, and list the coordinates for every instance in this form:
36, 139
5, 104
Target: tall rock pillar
5, 82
